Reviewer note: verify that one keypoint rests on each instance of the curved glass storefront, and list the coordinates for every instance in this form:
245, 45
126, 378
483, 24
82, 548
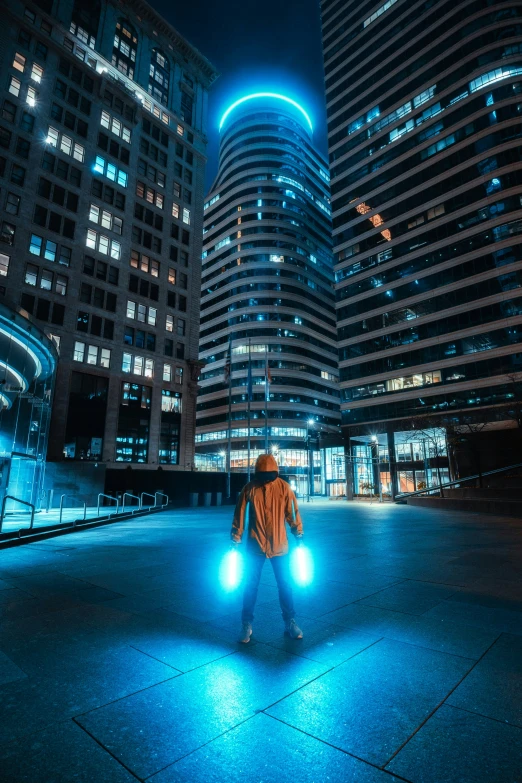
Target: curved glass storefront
27, 369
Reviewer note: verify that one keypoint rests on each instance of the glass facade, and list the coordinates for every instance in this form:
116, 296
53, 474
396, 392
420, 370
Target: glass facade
27, 370
426, 183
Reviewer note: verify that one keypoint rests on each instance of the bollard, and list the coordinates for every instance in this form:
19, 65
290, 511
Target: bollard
194, 499
207, 498
219, 498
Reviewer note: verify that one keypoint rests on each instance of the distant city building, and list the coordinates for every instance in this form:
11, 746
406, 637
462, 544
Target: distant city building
102, 158
267, 298
424, 110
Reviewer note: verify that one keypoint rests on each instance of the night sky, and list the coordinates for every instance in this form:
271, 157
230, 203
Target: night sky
269, 45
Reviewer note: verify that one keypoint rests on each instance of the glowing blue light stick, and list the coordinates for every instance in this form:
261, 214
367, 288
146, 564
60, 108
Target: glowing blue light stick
302, 566
231, 570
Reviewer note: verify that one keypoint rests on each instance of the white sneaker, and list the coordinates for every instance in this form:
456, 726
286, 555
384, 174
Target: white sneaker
292, 630
246, 633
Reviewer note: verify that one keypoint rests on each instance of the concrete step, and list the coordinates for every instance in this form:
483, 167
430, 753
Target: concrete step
499, 506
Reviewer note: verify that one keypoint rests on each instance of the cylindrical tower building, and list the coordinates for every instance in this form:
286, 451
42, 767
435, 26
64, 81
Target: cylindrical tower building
267, 294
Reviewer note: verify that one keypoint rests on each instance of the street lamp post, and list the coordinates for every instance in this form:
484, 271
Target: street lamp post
310, 423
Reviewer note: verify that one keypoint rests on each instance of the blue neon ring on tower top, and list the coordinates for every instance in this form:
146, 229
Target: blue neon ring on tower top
265, 95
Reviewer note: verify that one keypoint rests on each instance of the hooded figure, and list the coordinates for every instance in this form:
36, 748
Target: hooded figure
264, 505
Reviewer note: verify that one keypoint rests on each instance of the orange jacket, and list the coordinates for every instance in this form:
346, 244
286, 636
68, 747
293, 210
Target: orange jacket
266, 508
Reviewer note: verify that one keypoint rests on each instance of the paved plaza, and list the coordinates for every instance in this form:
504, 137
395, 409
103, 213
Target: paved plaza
118, 659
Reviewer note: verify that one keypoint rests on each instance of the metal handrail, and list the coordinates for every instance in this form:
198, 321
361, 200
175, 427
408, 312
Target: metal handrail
147, 494
456, 482
73, 498
162, 495
17, 500
129, 495
109, 497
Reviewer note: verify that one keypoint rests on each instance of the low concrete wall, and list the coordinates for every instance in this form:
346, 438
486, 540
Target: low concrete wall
82, 480
485, 493
500, 507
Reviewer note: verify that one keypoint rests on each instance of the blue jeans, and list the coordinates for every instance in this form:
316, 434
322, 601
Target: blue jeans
254, 566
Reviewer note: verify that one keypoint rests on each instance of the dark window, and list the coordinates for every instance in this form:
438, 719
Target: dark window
43, 309
5, 138
23, 147
82, 324
85, 292
27, 122
41, 50
171, 299
60, 89
169, 348
8, 111
17, 174
27, 302
24, 38
40, 215
187, 105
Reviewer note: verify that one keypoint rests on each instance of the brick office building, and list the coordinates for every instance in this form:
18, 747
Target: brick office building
102, 158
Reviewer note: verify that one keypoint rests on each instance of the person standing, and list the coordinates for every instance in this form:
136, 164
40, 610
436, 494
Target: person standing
265, 504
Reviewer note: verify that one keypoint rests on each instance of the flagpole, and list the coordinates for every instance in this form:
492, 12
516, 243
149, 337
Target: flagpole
267, 398
249, 395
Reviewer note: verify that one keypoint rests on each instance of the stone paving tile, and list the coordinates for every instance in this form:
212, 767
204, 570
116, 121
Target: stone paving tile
198, 609
179, 642
353, 575
268, 624
264, 749
425, 630
9, 595
455, 746
500, 620
496, 595
371, 704
60, 754
332, 596
9, 671
33, 607
71, 686
328, 644
154, 728
494, 687
409, 597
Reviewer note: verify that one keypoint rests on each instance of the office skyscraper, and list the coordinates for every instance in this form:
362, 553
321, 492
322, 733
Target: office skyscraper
424, 107
267, 293
102, 157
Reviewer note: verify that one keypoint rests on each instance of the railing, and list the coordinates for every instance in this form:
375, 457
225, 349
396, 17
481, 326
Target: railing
134, 497
162, 495
62, 498
457, 482
109, 497
147, 495
17, 500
